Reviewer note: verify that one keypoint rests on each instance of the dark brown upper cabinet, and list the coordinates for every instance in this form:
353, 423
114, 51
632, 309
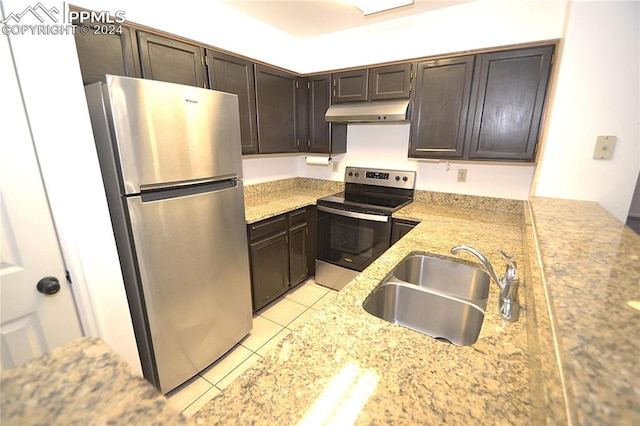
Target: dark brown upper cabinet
276, 109
324, 137
235, 75
440, 107
390, 82
102, 54
372, 84
351, 86
508, 103
498, 119
171, 60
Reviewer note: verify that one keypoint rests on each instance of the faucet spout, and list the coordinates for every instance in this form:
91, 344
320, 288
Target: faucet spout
483, 259
509, 305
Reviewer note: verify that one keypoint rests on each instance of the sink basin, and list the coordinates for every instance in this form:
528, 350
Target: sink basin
438, 297
437, 315
443, 275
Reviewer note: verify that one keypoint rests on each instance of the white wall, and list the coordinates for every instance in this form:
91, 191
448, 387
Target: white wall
386, 146
597, 94
474, 25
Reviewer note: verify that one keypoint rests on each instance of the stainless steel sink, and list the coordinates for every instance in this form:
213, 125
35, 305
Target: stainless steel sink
441, 298
418, 309
444, 275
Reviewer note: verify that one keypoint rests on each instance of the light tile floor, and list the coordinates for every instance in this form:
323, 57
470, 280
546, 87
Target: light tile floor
270, 325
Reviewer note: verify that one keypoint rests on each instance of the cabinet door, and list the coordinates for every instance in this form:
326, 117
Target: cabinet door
269, 269
298, 270
508, 104
171, 60
101, 54
351, 86
400, 228
276, 106
441, 105
235, 75
390, 82
319, 101
301, 244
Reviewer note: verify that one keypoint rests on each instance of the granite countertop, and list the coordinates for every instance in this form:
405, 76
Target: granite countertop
591, 270
571, 358
83, 382
262, 201
345, 364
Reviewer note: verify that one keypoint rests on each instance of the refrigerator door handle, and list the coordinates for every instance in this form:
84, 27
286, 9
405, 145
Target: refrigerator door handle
185, 191
186, 183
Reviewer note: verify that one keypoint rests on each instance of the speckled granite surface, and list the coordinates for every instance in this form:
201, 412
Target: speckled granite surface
346, 364
270, 199
591, 265
82, 383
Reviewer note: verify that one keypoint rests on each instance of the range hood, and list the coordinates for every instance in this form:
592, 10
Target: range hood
369, 112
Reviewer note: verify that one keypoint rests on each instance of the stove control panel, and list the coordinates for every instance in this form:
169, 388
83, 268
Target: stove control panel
381, 177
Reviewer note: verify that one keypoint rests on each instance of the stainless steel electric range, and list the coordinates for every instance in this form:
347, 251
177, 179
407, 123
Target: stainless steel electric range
354, 226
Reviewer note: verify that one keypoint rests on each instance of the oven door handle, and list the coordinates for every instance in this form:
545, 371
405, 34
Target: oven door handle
355, 215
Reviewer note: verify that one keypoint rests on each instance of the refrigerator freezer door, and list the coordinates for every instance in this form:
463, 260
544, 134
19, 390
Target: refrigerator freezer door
167, 133
194, 270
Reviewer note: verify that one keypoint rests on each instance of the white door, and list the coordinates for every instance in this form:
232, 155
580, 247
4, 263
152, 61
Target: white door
31, 322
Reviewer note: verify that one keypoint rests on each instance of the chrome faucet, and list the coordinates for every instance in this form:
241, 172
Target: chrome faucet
509, 306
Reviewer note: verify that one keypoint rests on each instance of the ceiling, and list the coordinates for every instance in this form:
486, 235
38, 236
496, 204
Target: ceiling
310, 18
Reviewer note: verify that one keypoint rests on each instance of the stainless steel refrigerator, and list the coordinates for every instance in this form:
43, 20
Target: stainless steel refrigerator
170, 157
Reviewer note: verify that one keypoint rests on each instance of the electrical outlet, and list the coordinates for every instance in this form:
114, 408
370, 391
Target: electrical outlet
335, 166
462, 175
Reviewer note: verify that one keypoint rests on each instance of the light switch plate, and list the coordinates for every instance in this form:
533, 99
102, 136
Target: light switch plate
604, 147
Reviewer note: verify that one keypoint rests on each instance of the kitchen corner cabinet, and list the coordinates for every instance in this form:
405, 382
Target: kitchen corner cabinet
171, 60
281, 253
372, 84
324, 137
101, 54
498, 118
235, 75
276, 110
440, 107
400, 228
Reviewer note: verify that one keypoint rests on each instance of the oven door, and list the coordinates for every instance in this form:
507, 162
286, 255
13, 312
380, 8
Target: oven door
351, 239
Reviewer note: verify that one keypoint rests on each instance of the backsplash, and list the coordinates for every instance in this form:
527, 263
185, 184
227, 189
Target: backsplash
477, 202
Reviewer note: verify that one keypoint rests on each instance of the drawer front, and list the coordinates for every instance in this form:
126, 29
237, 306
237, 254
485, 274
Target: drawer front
297, 217
267, 227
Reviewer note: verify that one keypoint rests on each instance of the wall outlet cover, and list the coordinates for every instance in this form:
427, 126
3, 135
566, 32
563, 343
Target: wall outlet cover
604, 147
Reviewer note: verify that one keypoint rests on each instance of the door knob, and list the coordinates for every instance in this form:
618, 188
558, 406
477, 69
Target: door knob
49, 285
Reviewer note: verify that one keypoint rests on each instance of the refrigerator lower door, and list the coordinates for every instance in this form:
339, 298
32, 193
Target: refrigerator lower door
191, 251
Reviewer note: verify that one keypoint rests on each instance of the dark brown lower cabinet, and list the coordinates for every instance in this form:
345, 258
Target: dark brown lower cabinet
400, 228
282, 254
